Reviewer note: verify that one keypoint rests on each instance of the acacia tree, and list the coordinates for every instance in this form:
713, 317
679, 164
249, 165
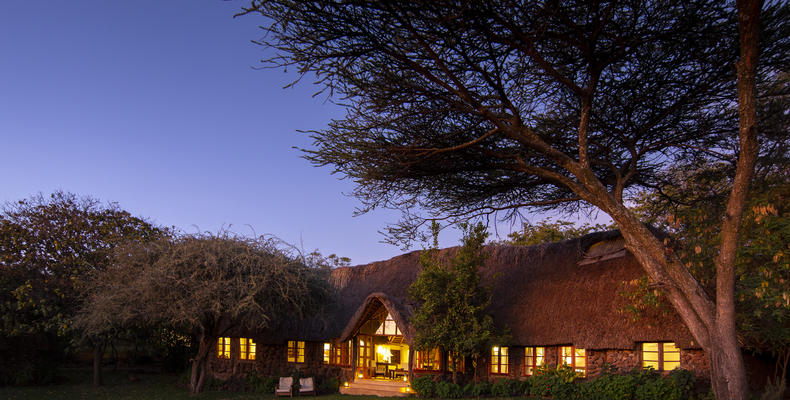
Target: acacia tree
205, 284
451, 312
50, 248
467, 109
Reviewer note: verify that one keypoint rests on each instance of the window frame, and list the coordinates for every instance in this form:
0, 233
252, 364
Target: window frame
660, 355
499, 360
295, 351
573, 359
534, 358
247, 349
224, 348
421, 357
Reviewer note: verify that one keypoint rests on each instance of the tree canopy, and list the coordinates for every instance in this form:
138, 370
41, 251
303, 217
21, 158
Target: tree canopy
50, 249
206, 284
475, 108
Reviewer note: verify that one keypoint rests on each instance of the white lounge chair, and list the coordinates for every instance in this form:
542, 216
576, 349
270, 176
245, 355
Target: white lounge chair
285, 387
306, 386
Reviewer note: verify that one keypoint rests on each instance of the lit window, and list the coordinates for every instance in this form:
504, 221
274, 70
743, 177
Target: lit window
388, 327
223, 347
295, 351
428, 360
246, 349
345, 355
327, 353
460, 363
663, 356
499, 360
534, 357
574, 358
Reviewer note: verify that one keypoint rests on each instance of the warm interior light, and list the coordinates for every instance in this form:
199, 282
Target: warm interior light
385, 353
360, 375
345, 384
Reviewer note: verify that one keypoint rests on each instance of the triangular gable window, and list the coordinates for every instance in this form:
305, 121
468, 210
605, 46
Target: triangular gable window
388, 327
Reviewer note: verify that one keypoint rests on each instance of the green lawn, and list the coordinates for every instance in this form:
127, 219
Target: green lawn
117, 386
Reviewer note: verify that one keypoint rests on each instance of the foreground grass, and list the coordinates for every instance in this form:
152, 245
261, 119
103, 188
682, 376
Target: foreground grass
77, 385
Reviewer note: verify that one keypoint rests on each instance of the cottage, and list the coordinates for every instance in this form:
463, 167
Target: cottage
560, 302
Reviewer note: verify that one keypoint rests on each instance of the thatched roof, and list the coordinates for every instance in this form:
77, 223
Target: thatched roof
550, 294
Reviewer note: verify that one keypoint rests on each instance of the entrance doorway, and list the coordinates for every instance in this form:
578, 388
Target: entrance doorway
382, 352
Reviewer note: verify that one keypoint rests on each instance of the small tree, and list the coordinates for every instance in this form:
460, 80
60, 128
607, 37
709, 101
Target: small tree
50, 249
452, 304
207, 284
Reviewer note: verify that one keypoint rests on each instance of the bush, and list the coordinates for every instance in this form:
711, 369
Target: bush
611, 386
328, 385
481, 389
448, 390
543, 384
424, 386
684, 383
505, 388
261, 385
656, 388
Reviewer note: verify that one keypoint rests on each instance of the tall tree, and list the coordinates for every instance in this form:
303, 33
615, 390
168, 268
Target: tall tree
471, 108
451, 312
207, 285
50, 248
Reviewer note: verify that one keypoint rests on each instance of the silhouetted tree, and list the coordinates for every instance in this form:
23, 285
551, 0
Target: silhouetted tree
470, 108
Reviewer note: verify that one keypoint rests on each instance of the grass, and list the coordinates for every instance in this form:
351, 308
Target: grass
76, 384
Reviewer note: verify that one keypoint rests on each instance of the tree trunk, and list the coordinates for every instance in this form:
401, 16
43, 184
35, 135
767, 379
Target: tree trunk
98, 352
197, 377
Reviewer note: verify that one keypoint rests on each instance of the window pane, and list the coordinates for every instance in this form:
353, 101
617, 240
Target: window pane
650, 356
653, 347
653, 364
670, 365
251, 348
539, 351
243, 348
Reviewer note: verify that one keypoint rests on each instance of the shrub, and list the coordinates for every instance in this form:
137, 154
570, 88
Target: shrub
448, 390
505, 388
481, 389
523, 387
261, 385
684, 383
329, 385
424, 386
542, 384
655, 389
611, 386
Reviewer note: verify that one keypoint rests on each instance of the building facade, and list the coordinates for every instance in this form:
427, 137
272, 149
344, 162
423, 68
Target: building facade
561, 303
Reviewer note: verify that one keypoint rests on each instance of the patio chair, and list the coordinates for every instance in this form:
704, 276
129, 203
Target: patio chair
306, 386
285, 387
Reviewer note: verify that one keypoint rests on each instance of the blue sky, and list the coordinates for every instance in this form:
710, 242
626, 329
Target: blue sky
156, 105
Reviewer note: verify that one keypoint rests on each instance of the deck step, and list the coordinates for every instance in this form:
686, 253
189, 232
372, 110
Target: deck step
376, 388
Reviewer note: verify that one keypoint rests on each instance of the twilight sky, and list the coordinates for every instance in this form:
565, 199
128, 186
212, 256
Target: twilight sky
155, 105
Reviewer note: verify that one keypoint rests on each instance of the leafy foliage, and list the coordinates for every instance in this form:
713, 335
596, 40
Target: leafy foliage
50, 250
550, 232
451, 312
424, 386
